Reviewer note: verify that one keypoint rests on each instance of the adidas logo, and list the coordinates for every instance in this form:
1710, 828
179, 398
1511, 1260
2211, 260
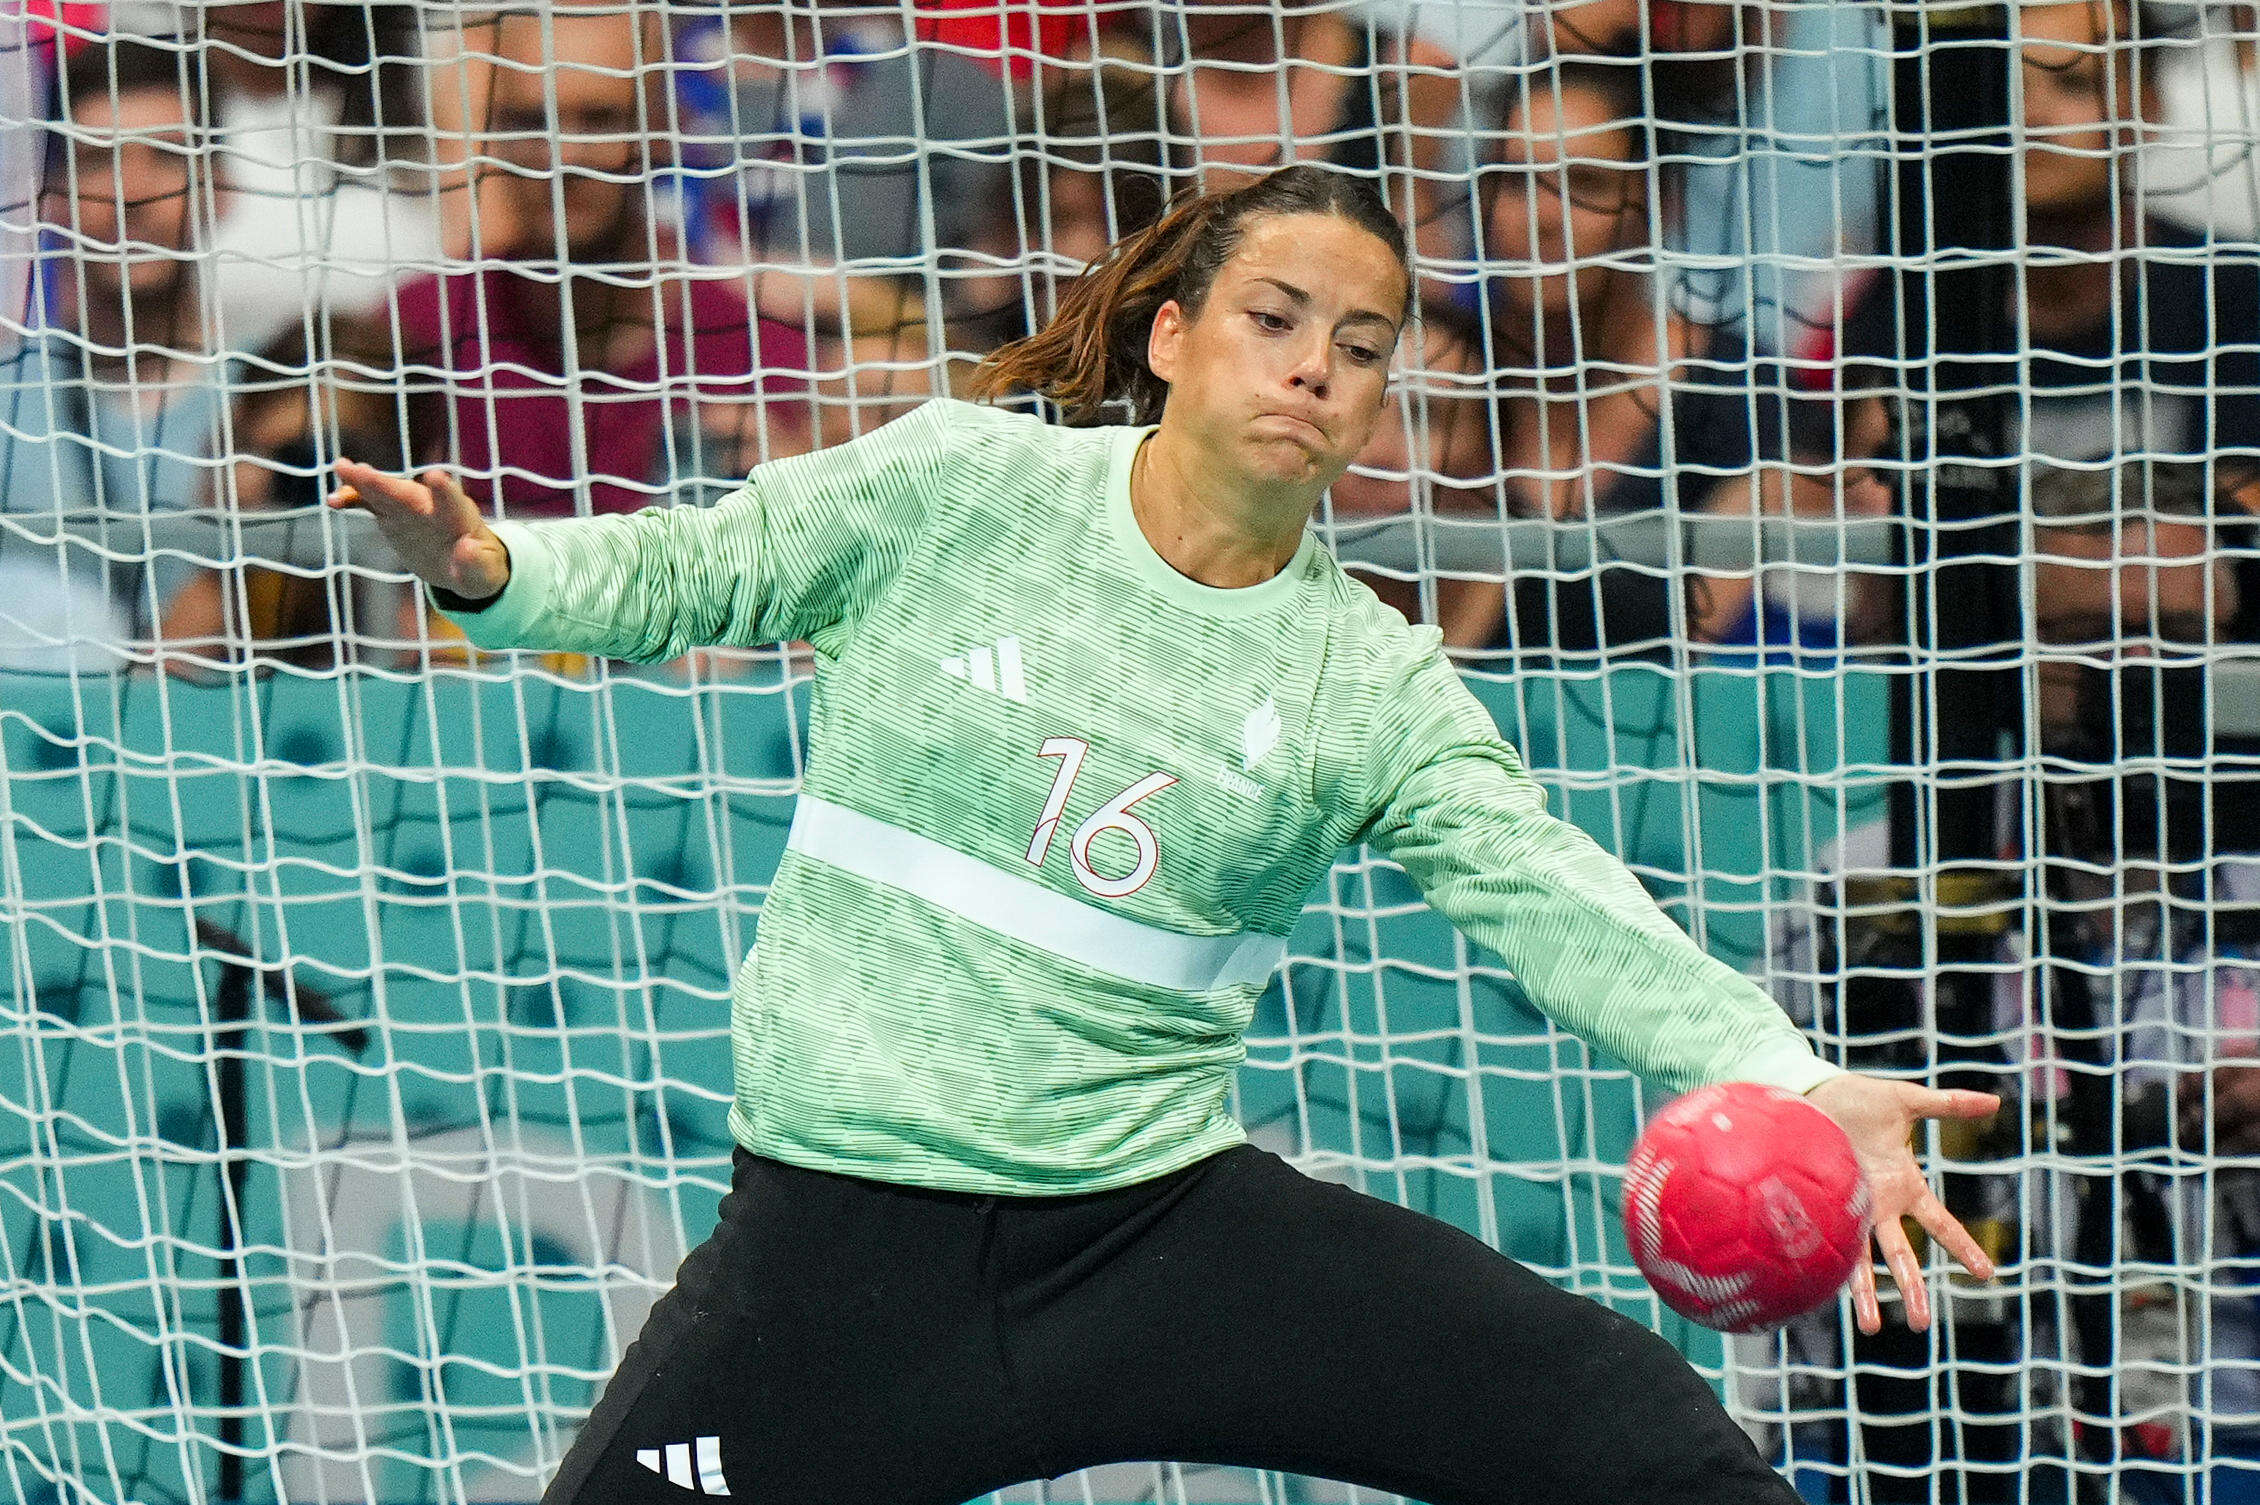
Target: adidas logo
992, 666
676, 1461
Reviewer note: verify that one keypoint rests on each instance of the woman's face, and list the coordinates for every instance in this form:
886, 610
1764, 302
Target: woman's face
2081, 114
1282, 371
1565, 191
132, 158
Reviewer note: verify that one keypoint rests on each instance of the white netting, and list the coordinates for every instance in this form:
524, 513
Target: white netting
364, 1057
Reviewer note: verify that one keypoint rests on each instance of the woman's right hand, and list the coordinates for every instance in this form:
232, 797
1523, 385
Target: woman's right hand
434, 528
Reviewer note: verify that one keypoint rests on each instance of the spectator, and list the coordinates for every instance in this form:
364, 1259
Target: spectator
563, 358
862, 146
298, 405
1609, 406
2142, 338
2201, 168
1778, 116
319, 150
1431, 453
114, 410
1355, 94
1095, 168
2144, 984
1306, 82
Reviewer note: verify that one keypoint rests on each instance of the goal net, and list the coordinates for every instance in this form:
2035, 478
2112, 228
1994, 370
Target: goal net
1828, 445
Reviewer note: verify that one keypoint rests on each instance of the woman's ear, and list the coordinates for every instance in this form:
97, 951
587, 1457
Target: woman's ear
1166, 341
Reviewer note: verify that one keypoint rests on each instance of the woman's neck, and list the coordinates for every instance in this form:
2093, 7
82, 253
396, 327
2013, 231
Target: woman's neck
1204, 531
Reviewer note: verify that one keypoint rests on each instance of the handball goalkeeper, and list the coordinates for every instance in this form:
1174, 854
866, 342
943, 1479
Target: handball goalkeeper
1094, 712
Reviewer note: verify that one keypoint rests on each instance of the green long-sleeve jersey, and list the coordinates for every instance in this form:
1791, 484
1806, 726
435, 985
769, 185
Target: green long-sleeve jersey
1063, 806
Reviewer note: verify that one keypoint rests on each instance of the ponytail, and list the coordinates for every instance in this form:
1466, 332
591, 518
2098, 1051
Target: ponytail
1093, 352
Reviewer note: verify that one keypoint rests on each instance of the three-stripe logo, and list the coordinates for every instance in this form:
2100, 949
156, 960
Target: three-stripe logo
992, 666
696, 1466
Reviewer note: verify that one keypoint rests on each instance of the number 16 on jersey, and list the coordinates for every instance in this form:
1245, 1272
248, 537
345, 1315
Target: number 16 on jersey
1114, 815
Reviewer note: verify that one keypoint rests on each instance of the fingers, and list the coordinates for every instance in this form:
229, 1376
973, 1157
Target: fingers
1906, 1271
1953, 1237
443, 488
1866, 495
1906, 1268
348, 496
1952, 1102
1889, 1116
370, 488
1866, 1311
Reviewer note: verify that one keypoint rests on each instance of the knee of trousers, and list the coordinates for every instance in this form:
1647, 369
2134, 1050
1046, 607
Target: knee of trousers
1659, 1431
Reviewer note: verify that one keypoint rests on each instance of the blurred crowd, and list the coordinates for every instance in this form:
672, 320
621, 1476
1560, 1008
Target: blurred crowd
599, 257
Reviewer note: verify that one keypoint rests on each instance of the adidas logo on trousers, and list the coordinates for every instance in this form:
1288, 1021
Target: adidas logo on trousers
676, 1459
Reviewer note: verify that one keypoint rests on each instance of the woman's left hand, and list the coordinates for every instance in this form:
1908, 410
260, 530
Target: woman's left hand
1880, 1118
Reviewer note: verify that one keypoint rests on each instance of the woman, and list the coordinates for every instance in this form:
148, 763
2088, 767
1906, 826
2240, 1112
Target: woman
1103, 174
1614, 404
1317, 83
1432, 448
319, 138
581, 337
1351, 88
1094, 713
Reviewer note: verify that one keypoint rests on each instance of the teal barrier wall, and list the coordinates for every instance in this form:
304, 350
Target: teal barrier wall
531, 895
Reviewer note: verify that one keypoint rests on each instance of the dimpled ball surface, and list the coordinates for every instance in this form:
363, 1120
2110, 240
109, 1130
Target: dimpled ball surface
1745, 1206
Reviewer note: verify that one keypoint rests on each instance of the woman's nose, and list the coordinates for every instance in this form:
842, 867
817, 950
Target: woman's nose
1313, 365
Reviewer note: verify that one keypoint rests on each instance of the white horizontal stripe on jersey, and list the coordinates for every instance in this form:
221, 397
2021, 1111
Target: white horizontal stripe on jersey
1026, 910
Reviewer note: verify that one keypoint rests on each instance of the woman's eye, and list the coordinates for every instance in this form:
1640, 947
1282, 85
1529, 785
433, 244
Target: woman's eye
1265, 319
1364, 355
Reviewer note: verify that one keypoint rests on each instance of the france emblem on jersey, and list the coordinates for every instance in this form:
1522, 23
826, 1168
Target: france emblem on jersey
1259, 734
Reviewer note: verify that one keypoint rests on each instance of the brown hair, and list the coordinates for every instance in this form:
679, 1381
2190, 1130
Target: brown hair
1093, 352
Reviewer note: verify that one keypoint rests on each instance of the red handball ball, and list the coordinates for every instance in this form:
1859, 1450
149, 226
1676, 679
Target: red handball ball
1745, 1207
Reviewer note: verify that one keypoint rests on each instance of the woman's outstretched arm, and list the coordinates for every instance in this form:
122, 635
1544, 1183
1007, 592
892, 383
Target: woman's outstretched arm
798, 552
1453, 805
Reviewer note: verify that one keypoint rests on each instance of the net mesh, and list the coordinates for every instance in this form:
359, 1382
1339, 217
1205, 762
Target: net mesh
1827, 445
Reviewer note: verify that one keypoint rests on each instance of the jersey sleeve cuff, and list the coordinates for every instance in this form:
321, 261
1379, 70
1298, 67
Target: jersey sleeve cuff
1787, 1064
504, 620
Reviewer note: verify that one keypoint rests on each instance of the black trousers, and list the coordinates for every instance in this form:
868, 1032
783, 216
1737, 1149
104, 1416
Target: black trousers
849, 1342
